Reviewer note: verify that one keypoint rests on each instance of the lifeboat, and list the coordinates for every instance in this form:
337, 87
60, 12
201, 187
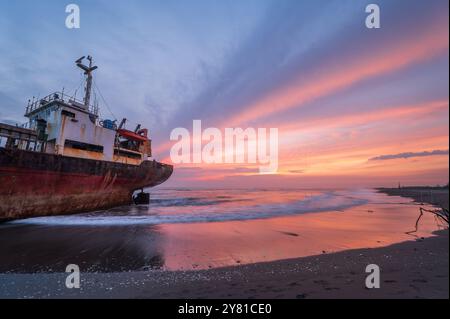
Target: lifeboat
139, 136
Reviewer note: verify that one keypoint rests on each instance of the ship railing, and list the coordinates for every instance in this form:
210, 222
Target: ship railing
39, 103
29, 125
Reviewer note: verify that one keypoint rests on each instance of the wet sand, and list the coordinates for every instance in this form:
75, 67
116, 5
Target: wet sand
31, 248
413, 269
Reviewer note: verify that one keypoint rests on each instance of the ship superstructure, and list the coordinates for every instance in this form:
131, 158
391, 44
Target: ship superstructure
69, 127
65, 141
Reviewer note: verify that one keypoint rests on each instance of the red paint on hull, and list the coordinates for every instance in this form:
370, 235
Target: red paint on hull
28, 189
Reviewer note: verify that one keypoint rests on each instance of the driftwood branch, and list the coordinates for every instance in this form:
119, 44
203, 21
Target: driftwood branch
417, 223
441, 214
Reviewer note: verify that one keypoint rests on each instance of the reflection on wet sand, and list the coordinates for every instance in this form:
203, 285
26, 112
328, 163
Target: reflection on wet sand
95, 249
201, 246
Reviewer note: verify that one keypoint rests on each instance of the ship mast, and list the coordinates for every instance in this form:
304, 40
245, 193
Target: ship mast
88, 72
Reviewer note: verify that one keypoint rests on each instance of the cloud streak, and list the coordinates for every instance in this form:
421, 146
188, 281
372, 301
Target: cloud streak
429, 43
410, 155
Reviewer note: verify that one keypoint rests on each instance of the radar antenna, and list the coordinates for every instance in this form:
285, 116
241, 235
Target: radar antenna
88, 72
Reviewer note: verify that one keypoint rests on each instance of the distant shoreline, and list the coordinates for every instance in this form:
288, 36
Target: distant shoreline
434, 195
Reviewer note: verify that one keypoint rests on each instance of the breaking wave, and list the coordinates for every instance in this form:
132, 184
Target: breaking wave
207, 206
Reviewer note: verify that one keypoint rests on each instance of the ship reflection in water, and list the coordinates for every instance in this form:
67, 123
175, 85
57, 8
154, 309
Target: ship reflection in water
200, 229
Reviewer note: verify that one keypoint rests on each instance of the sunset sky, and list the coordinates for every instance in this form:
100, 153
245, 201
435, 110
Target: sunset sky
354, 106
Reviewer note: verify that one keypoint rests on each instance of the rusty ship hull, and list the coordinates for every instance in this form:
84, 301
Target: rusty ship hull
41, 184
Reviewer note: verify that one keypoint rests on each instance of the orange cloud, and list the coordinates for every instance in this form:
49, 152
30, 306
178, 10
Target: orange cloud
348, 155
359, 118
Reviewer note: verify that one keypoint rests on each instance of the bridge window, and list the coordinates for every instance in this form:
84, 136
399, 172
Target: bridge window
83, 146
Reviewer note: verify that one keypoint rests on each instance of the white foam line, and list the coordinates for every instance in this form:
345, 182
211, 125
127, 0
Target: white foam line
313, 204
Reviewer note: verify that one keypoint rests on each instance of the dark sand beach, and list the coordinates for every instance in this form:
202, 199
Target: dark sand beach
414, 269
411, 266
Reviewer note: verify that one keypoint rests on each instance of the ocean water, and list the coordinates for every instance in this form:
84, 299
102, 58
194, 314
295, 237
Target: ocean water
199, 229
171, 206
